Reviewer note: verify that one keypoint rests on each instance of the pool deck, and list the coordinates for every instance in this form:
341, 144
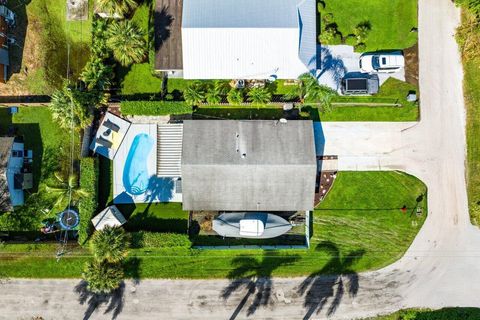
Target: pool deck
160, 189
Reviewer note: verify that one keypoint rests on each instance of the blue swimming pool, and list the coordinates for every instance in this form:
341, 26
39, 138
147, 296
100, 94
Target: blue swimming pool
135, 173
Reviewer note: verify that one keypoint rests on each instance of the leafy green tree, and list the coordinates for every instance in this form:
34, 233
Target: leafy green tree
67, 111
127, 42
103, 277
73, 106
99, 47
110, 244
117, 8
195, 93
61, 187
259, 95
235, 96
97, 74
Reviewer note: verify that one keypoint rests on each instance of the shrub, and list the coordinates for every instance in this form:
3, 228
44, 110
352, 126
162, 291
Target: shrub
195, 93
110, 244
144, 239
103, 277
154, 108
259, 96
327, 35
235, 96
361, 47
362, 30
351, 40
87, 207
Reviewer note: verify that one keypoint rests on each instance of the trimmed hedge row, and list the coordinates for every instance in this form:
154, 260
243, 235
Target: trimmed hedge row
143, 239
87, 207
154, 108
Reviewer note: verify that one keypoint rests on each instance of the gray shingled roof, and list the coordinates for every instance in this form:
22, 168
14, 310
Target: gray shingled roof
248, 165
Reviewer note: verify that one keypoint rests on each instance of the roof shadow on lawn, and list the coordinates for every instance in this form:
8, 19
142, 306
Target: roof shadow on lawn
331, 281
253, 276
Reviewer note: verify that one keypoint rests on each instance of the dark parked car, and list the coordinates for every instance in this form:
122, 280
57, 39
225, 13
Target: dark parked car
357, 83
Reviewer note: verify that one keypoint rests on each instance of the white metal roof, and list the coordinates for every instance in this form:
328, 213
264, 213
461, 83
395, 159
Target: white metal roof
249, 39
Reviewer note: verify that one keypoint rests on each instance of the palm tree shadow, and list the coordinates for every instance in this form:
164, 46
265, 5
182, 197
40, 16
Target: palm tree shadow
254, 276
114, 301
318, 288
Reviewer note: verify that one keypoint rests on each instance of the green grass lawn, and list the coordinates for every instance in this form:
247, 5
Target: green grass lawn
426, 314
472, 99
391, 21
139, 78
158, 217
356, 228
42, 25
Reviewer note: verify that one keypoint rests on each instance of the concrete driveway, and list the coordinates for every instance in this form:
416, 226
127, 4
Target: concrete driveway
441, 268
337, 60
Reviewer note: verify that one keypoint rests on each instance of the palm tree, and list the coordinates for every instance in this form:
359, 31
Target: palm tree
97, 75
223, 86
127, 42
308, 86
116, 8
194, 94
214, 95
66, 190
67, 111
309, 90
235, 96
110, 244
103, 277
259, 96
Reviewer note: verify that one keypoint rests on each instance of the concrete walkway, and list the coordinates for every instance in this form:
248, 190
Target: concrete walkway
441, 268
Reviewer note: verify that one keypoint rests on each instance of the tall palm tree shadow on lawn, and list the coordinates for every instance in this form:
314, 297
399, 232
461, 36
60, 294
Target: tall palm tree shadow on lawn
318, 288
114, 301
255, 276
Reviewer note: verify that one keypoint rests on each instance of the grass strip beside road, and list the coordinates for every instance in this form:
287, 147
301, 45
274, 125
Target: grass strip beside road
427, 314
359, 222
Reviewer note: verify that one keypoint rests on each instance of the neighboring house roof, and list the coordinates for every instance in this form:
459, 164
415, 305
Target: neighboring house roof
6, 144
168, 34
248, 165
250, 39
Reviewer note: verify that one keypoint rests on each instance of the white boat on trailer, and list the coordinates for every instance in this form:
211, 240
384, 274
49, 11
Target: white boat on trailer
255, 225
